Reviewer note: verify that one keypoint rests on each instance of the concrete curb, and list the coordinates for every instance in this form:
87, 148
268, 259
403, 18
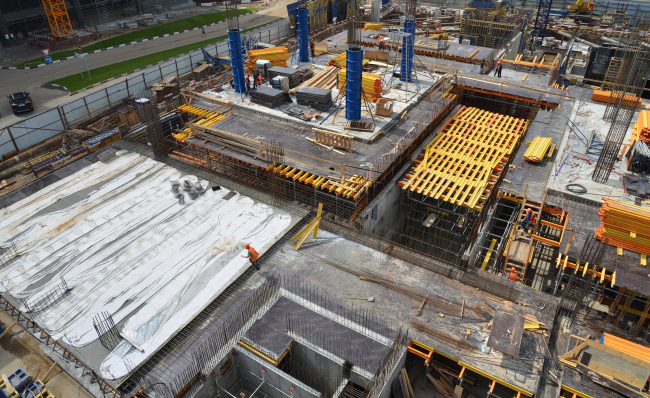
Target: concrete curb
121, 45
55, 87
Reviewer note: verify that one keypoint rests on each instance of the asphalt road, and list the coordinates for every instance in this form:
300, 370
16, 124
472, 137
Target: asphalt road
30, 80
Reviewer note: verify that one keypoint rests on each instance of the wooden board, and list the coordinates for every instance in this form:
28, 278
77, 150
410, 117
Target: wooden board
507, 331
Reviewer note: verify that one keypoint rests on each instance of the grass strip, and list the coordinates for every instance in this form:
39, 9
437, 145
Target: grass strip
147, 33
74, 83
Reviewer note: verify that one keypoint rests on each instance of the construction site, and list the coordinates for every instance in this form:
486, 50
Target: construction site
393, 201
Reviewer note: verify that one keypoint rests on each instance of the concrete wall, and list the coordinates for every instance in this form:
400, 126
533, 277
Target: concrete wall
512, 48
244, 372
385, 391
381, 215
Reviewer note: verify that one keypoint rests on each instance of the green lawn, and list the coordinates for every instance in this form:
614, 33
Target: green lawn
170, 27
74, 83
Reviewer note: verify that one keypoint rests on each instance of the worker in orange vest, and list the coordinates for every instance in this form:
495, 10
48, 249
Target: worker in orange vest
498, 68
592, 5
513, 274
530, 219
382, 43
253, 255
259, 80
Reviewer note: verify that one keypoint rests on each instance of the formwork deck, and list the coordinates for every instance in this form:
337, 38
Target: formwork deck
466, 158
315, 264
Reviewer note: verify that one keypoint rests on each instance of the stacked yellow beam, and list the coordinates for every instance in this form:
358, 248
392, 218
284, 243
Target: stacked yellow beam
373, 25
340, 61
354, 187
277, 55
624, 225
208, 118
370, 83
462, 164
537, 149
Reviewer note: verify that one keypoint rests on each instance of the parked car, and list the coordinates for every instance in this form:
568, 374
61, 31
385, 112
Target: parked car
21, 102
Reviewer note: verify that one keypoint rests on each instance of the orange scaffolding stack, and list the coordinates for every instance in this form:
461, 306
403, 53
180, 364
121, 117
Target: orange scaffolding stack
641, 130
277, 55
624, 225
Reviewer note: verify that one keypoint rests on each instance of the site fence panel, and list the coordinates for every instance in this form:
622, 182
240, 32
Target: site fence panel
45, 125
31, 131
6, 143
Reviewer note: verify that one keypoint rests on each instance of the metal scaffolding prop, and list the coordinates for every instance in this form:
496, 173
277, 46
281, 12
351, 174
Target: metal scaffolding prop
442, 214
635, 56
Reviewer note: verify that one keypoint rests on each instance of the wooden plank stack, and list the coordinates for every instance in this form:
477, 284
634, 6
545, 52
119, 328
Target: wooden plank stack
624, 225
604, 96
313, 97
167, 86
341, 60
370, 83
268, 96
537, 149
325, 79
277, 55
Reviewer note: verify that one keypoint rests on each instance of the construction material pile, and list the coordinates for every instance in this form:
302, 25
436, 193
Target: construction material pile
538, 149
313, 97
604, 96
324, 79
301, 112
373, 26
277, 55
168, 85
294, 75
624, 225
73, 138
370, 83
268, 96
641, 129
341, 60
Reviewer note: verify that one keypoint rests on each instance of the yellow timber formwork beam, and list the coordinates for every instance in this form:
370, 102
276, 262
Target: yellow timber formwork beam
312, 226
462, 164
537, 149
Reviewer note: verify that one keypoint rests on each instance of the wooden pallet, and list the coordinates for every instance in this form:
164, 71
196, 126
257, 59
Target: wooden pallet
463, 163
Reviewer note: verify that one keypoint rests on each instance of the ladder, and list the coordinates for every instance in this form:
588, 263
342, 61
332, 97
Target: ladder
613, 71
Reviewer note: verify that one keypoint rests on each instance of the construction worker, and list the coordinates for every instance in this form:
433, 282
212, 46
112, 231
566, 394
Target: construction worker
259, 80
248, 83
382, 43
255, 75
312, 46
513, 274
426, 33
592, 5
253, 255
498, 68
530, 219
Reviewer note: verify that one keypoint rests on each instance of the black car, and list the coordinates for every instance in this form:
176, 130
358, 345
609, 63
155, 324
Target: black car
21, 102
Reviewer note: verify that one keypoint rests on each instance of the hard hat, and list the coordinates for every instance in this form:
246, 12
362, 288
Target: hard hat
512, 269
247, 245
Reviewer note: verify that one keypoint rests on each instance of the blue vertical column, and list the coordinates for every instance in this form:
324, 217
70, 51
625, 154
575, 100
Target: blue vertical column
236, 60
406, 63
303, 34
353, 78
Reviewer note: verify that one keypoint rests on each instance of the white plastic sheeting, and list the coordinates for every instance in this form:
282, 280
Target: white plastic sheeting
129, 245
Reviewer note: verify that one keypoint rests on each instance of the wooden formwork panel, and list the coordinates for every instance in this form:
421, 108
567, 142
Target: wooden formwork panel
464, 162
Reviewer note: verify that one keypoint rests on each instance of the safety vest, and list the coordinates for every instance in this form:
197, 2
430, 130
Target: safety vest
513, 276
253, 253
259, 80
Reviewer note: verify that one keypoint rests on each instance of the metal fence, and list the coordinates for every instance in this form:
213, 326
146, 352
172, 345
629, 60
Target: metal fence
45, 125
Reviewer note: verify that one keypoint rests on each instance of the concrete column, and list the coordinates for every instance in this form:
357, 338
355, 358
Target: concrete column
78, 13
